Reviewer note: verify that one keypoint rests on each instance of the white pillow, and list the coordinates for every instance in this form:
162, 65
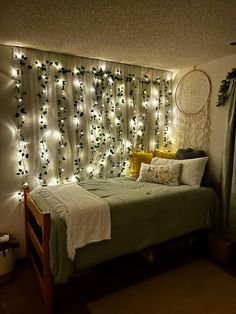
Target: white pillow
191, 171
163, 174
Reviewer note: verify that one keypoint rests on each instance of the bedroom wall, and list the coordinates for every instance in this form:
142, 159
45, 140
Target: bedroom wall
217, 71
11, 211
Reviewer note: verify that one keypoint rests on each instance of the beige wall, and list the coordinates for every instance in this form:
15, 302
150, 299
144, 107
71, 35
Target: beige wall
217, 71
11, 211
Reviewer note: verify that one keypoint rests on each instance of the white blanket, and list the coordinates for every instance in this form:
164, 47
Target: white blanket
87, 216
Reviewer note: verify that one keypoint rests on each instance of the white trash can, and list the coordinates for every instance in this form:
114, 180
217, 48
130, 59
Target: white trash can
7, 264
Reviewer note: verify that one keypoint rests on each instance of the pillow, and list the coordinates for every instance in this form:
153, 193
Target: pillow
189, 153
164, 174
191, 171
167, 155
136, 159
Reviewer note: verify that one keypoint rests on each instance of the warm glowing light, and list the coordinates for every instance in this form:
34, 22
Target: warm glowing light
155, 102
53, 181
60, 82
73, 179
14, 72
56, 135
77, 82
90, 169
76, 121
109, 127
18, 55
132, 123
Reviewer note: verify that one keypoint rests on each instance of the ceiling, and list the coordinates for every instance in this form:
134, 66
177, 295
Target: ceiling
167, 34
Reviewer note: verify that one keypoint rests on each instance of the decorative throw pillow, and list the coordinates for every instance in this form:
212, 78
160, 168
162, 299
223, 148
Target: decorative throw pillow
164, 174
136, 159
167, 155
157, 161
191, 171
190, 153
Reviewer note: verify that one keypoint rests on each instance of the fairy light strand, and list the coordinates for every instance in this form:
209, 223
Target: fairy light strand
106, 130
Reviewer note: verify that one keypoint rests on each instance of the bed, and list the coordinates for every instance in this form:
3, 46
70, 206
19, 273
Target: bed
142, 214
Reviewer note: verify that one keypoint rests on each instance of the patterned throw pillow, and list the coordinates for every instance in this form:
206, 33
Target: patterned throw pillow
164, 174
191, 169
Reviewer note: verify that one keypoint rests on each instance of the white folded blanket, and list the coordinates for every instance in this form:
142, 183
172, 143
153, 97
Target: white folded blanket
87, 216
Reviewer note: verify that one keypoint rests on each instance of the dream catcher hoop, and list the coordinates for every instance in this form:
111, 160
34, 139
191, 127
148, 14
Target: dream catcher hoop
193, 92
192, 100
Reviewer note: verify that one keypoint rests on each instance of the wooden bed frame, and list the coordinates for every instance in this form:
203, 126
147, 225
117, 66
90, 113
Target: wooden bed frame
37, 226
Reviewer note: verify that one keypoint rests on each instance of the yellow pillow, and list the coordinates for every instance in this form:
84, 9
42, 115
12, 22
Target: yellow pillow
136, 159
165, 155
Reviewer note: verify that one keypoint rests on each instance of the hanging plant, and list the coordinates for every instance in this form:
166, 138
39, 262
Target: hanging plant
224, 87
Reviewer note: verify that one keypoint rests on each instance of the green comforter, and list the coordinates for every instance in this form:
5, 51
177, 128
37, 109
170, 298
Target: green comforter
142, 214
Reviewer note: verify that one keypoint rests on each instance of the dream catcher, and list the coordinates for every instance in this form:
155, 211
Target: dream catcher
192, 100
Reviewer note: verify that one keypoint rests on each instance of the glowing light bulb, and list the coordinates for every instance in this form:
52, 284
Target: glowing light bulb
76, 121
60, 82
14, 72
53, 181
90, 169
18, 55
77, 82
73, 179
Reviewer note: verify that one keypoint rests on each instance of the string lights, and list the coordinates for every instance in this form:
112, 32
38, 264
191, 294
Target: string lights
107, 114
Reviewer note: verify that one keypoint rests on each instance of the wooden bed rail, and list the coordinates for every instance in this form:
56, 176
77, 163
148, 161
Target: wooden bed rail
37, 225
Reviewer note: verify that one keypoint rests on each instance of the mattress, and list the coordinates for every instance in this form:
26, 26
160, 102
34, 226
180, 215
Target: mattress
142, 214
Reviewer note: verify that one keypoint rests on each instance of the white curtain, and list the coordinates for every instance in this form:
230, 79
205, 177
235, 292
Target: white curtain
80, 118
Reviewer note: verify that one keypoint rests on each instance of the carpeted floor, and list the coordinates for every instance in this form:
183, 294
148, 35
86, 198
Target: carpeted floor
196, 288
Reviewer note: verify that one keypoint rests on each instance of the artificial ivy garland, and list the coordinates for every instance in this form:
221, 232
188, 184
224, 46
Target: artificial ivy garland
224, 87
107, 107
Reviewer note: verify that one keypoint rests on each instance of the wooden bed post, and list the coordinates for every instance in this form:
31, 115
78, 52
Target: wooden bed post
47, 274
40, 247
